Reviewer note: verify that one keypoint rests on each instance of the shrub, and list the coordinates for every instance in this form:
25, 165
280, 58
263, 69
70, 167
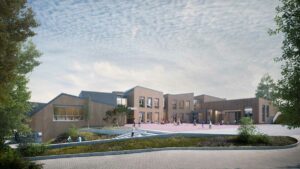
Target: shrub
73, 132
62, 138
279, 119
259, 139
10, 159
30, 149
246, 129
248, 133
215, 142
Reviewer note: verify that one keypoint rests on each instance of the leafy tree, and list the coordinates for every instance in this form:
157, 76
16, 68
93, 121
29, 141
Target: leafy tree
18, 57
266, 88
288, 95
117, 115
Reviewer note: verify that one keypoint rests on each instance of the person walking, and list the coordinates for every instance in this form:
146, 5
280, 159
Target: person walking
210, 125
195, 122
79, 139
132, 132
69, 139
202, 122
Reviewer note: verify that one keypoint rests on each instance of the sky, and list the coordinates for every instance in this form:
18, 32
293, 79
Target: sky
214, 47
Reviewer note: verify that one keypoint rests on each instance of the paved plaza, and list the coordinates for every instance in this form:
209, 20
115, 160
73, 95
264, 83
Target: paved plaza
270, 129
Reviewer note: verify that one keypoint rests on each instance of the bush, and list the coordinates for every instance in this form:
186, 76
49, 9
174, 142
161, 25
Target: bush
215, 142
73, 132
279, 120
62, 138
248, 133
260, 139
246, 129
11, 159
30, 149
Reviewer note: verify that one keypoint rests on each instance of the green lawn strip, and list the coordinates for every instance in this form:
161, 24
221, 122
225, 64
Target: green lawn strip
166, 142
86, 136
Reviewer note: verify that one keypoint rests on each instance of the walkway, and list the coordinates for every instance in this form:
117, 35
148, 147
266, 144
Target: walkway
270, 129
233, 159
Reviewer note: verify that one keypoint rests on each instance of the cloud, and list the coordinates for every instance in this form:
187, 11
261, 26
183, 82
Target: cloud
215, 47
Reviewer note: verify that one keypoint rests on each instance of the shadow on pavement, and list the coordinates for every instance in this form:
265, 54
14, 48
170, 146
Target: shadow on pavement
297, 166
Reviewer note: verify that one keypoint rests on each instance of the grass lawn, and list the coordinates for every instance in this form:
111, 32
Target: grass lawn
87, 136
167, 142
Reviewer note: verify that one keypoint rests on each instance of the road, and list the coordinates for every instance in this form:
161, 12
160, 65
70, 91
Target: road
210, 159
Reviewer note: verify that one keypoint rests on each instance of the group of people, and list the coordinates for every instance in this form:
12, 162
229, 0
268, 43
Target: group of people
202, 123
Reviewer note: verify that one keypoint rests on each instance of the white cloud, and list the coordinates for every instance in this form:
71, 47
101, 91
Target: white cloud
214, 47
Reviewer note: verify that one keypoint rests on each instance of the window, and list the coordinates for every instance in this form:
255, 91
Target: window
181, 104
174, 104
156, 117
156, 102
248, 111
149, 117
195, 101
121, 101
68, 113
142, 117
149, 102
187, 104
267, 107
142, 101
263, 113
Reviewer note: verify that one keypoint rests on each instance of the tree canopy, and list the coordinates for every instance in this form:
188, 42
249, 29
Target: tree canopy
18, 57
266, 88
288, 87
117, 115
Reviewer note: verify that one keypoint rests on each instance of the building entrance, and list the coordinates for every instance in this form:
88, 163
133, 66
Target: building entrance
232, 117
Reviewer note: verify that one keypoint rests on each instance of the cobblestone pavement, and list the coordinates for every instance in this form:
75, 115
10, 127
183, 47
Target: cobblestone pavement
224, 159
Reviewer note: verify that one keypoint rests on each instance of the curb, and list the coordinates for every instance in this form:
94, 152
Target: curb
161, 149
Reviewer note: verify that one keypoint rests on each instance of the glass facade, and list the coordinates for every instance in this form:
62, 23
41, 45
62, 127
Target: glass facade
121, 101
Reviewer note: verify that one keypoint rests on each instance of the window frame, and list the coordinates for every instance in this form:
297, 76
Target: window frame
141, 104
65, 115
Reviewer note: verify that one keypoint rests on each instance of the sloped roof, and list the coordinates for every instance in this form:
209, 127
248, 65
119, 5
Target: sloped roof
142, 88
100, 97
35, 107
39, 106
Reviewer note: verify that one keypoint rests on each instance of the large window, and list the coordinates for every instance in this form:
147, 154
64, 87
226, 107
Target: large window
156, 102
263, 113
181, 104
187, 104
174, 104
121, 101
149, 117
267, 107
142, 101
68, 113
149, 102
142, 117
